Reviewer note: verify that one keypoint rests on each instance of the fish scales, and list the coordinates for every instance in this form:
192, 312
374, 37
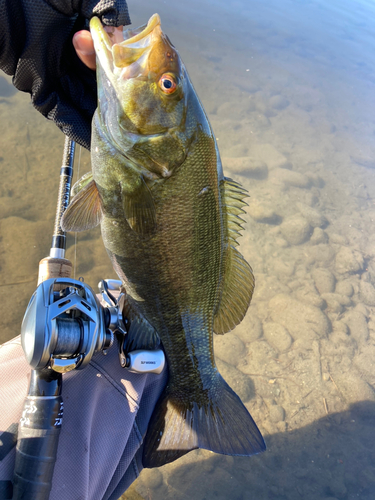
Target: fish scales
169, 221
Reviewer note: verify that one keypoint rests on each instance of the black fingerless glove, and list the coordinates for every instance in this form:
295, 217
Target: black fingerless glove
36, 49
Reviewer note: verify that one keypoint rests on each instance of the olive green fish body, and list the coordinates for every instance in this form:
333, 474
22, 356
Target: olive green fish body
169, 221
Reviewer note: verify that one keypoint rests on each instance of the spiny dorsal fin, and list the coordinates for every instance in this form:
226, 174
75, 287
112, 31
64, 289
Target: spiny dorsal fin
233, 195
139, 208
238, 279
141, 334
84, 211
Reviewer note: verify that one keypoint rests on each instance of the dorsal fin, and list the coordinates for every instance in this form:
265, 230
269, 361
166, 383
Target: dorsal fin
85, 209
238, 279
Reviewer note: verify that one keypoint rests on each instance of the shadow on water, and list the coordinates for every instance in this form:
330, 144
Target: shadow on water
333, 458
6, 89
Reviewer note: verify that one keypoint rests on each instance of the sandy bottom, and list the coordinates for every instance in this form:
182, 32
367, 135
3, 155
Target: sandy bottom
303, 359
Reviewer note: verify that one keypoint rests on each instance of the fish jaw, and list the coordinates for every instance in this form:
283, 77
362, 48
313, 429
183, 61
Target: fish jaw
129, 73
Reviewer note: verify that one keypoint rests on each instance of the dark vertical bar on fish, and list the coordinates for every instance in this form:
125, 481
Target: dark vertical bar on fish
66, 174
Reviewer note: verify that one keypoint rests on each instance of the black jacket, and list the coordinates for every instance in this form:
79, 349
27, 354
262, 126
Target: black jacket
36, 49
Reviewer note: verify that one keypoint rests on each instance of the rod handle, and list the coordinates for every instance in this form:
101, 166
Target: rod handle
52, 267
38, 437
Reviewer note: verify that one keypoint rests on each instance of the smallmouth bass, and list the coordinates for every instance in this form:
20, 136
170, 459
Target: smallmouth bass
170, 221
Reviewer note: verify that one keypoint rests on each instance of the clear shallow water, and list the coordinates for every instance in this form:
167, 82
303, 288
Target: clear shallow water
289, 90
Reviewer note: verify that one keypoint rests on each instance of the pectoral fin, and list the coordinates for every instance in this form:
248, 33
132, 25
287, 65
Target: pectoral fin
85, 209
139, 208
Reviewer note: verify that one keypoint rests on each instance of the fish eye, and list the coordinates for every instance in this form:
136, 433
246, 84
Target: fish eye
167, 84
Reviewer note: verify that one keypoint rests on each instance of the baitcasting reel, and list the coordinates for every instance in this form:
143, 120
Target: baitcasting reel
64, 325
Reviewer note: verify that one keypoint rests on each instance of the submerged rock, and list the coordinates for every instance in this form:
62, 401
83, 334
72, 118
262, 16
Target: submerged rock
324, 280
301, 320
367, 293
229, 348
296, 230
277, 336
348, 261
289, 178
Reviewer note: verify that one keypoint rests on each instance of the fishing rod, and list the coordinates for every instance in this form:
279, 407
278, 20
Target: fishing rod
63, 327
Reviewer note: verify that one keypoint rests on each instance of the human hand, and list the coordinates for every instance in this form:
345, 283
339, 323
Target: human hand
84, 46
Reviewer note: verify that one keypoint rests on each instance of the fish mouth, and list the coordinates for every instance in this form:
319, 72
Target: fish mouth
124, 55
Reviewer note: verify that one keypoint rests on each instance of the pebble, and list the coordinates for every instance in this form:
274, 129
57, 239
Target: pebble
340, 326
296, 230
318, 236
276, 413
289, 178
341, 299
153, 478
324, 254
309, 297
229, 348
348, 261
338, 239
365, 359
268, 153
337, 488
357, 324
344, 288
313, 216
353, 387
249, 329
301, 320
278, 102
261, 212
367, 293
277, 336
238, 381
324, 280
249, 167
282, 267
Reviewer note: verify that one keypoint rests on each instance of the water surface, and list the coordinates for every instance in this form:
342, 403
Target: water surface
289, 90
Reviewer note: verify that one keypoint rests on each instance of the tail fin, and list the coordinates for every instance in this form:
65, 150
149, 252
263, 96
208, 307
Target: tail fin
222, 425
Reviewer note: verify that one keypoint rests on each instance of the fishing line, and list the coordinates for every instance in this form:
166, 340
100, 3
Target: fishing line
75, 234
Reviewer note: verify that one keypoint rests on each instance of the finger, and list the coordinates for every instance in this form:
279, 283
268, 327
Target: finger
84, 46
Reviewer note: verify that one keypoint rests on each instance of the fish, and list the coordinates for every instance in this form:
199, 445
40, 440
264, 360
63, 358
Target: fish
170, 222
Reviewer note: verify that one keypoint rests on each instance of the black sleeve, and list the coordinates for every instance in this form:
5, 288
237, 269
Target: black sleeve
36, 49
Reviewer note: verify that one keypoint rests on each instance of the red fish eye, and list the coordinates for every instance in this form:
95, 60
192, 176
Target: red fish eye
167, 84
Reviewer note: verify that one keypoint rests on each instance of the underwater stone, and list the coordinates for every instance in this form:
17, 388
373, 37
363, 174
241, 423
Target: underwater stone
318, 236
229, 348
301, 320
289, 178
313, 216
277, 336
238, 381
344, 288
296, 230
250, 329
277, 413
367, 293
357, 324
324, 280
348, 261
249, 167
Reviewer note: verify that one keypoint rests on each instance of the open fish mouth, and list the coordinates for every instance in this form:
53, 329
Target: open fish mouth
124, 55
